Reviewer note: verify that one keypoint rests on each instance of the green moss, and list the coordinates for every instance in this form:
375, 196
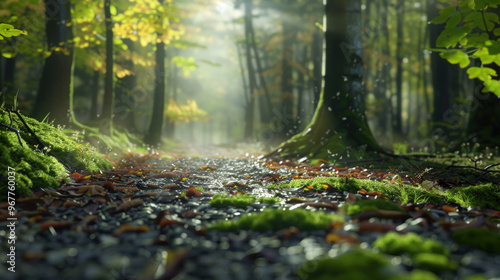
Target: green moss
239, 200
371, 204
35, 168
418, 274
269, 200
486, 240
434, 262
411, 243
353, 265
404, 193
476, 277
275, 219
484, 196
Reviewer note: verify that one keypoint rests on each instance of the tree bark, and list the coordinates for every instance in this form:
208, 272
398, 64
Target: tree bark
109, 95
250, 100
54, 86
153, 138
339, 126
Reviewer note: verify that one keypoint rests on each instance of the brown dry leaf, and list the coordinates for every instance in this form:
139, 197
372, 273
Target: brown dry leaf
366, 226
192, 192
129, 204
71, 203
448, 209
340, 238
208, 167
167, 222
34, 256
130, 228
53, 224
190, 214
235, 184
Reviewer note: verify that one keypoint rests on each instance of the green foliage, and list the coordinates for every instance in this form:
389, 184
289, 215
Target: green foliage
484, 196
7, 30
475, 29
411, 243
276, 219
371, 204
486, 240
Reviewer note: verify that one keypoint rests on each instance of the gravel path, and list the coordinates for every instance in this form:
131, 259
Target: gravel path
94, 239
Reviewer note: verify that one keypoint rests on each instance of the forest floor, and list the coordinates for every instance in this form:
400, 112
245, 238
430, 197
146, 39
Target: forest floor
239, 216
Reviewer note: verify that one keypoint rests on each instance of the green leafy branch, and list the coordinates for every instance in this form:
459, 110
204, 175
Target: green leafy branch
472, 26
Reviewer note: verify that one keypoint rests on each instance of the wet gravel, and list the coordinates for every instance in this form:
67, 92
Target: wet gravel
186, 251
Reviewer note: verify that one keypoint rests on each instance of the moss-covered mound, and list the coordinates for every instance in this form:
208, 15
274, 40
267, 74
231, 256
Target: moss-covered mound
411, 243
484, 196
486, 240
240, 200
354, 265
36, 167
371, 204
403, 193
276, 219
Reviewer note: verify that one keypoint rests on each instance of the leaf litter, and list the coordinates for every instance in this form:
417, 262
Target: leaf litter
144, 184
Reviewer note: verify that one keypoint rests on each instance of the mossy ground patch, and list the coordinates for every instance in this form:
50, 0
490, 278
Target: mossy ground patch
276, 219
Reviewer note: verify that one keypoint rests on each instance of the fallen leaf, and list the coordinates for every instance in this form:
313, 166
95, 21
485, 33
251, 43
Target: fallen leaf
129, 204
130, 228
192, 192
340, 238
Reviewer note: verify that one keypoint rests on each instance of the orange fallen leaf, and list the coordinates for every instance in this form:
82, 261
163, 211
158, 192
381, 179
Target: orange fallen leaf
53, 224
192, 192
130, 228
340, 238
448, 209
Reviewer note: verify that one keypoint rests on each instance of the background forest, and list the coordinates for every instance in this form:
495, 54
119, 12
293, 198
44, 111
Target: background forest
214, 72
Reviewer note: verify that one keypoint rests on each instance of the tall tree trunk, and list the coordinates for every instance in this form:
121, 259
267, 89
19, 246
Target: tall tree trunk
173, 79
287, 118
445, 82
339, 126
124, 115
153, 137
109, 95
300, 89
317, 58
54, 88
250, 100
94, 95
398, 122
265, 101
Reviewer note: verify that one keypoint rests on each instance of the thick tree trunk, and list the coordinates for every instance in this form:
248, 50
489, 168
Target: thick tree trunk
317, 57
445, 83
339, 126
54, 87
287, 116
398, 122
94, 95
153, 137
109, 95
250, 100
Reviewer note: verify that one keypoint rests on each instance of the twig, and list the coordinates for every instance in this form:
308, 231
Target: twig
14, 130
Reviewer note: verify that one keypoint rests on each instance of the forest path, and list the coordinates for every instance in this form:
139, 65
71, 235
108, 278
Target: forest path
149, 222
